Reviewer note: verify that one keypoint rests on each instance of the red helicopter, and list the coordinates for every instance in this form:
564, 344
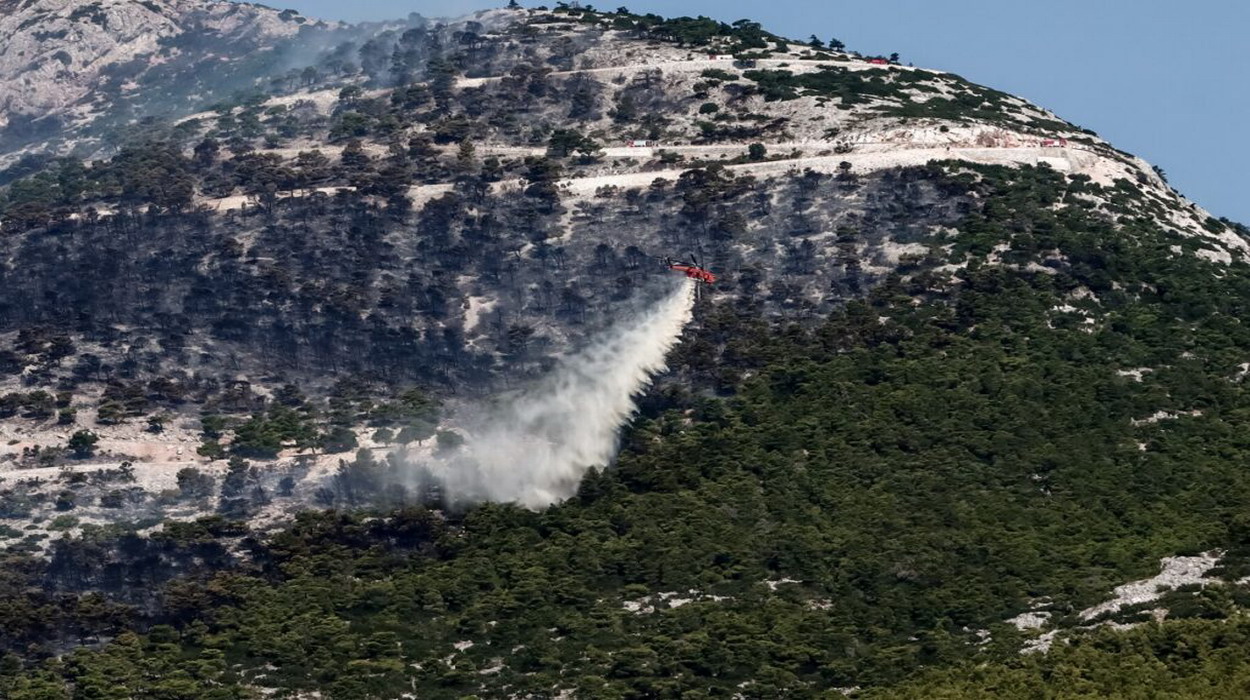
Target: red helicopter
691, 269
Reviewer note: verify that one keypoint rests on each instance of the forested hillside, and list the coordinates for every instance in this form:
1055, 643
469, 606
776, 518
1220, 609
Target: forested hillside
966, 370
879, 494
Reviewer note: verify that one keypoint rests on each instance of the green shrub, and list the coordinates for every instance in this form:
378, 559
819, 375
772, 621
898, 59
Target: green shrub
63, 522
718, 74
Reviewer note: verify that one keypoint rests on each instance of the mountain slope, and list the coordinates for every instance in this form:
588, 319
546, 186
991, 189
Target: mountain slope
882, 495
65, 62
967, 368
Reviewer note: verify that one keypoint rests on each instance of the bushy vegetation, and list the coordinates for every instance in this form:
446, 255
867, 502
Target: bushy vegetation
1190, 659
152, 174
739, 36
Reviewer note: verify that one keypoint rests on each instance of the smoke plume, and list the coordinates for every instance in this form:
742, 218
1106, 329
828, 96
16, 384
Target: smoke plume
534, 449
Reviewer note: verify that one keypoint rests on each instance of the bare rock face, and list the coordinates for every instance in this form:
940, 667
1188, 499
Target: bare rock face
55, 52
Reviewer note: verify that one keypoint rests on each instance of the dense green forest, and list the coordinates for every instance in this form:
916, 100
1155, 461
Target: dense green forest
865, 505
1186, 659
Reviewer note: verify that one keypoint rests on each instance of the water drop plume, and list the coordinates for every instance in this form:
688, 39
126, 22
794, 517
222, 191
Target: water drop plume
534, 448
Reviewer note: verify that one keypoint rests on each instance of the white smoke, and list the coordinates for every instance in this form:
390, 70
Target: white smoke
534, 449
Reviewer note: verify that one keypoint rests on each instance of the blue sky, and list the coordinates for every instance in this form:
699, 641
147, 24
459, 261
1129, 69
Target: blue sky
1164, 79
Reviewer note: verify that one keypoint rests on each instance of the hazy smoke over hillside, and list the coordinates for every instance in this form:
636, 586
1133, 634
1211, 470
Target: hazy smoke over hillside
534, 449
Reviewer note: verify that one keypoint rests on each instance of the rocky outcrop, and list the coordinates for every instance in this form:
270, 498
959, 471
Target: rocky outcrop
56, 52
